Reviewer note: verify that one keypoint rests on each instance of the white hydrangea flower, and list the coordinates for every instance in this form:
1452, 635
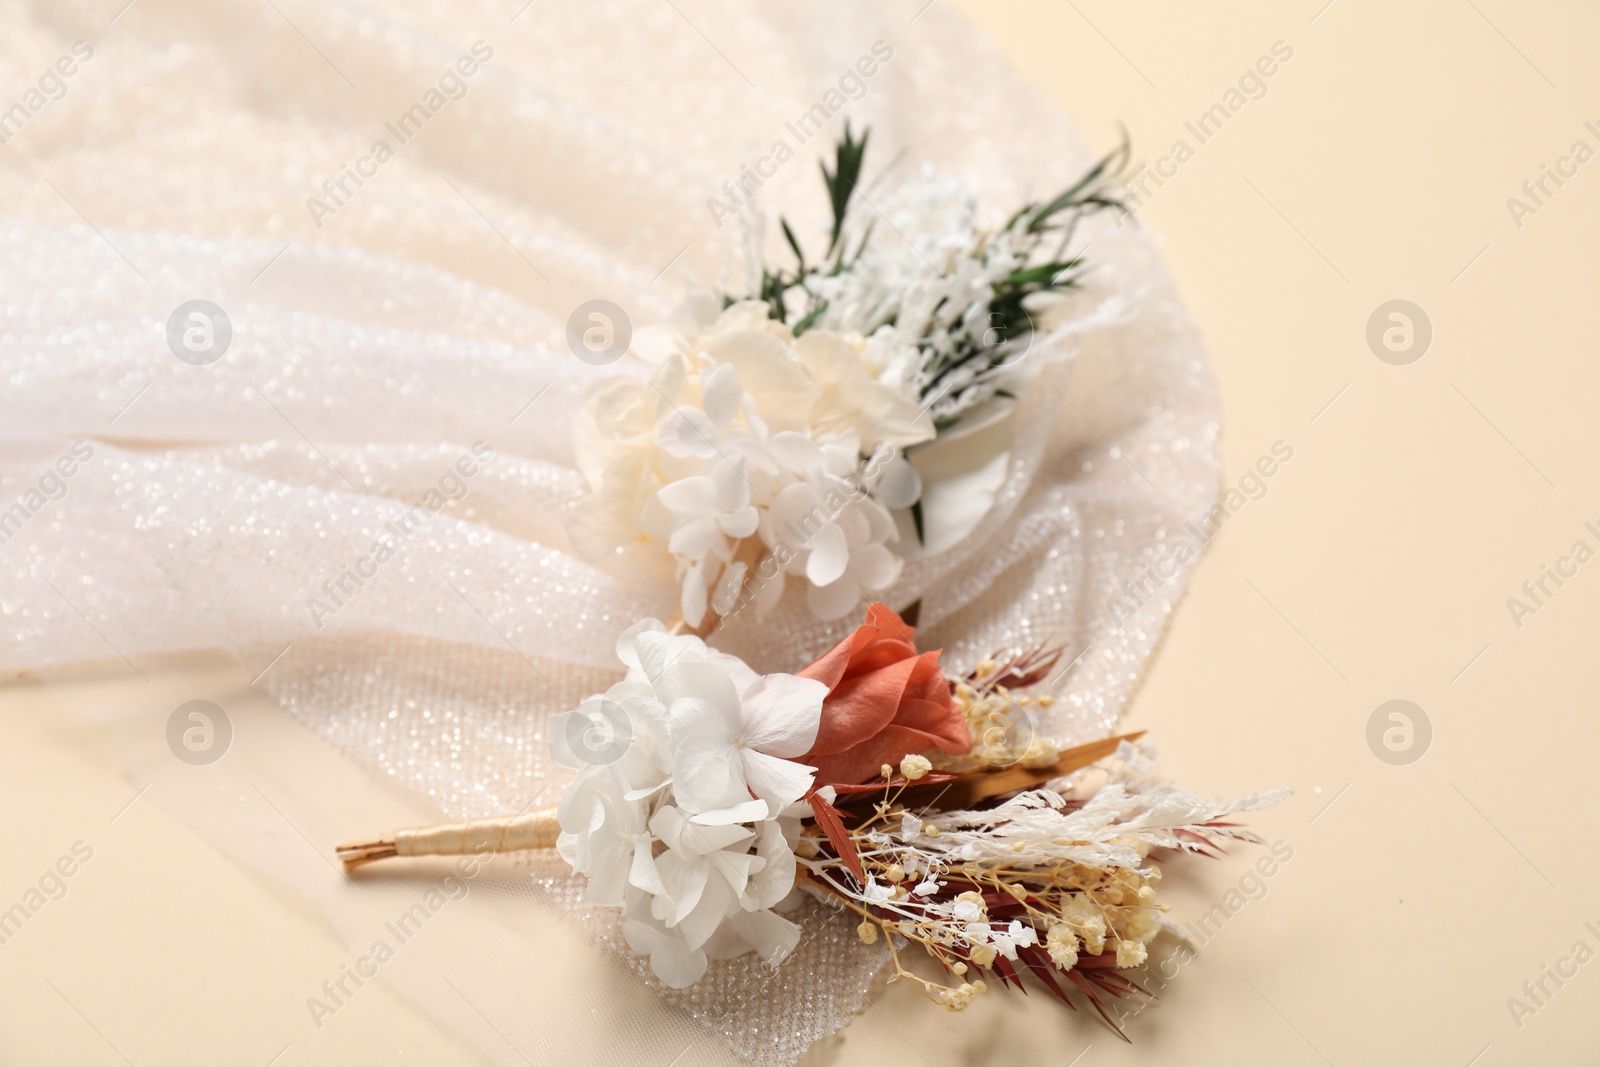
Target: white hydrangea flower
746, 433
834, 533
685, 812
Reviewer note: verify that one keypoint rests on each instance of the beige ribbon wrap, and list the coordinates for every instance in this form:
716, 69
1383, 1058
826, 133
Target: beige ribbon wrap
506, 833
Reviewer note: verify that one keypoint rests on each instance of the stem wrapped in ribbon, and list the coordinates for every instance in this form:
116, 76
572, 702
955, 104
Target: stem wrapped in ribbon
707, 795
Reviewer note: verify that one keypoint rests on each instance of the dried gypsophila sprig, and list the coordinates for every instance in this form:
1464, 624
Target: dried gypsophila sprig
999, 718
994, 868
1039, 884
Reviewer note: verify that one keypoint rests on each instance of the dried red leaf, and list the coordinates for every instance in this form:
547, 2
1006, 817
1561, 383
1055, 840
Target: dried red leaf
1088, 989
832, 823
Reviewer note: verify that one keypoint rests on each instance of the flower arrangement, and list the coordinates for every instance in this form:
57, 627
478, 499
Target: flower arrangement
771, 439
710, 798
774, 438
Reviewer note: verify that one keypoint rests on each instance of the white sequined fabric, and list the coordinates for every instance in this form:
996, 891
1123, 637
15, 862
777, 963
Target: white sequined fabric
417, 317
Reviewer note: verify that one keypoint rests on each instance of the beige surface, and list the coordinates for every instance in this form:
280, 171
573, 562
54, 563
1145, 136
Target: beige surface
1377, 566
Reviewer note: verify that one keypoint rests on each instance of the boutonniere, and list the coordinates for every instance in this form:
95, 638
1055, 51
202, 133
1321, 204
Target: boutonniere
709, 798
778, 437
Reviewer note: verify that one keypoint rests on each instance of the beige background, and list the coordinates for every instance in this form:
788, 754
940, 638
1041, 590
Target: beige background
1377, 566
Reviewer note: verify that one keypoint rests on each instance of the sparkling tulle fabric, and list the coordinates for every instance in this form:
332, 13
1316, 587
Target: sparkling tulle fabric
230, 505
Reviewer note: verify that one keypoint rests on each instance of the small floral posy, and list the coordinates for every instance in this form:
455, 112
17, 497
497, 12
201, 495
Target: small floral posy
769, 442
771, 438
869, 780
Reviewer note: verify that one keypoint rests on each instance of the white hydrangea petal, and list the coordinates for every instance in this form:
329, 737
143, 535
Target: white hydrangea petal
716, 903
899, 485
828, 602
707, 774
741, 523
705, 683
769, 590
753, 810
627, 641
655, 650
880, 524
732, 485
721, 395
795, 451
694, 539
686, 431
689, 498
857, 528
782, 714
671, 958
684, 879
874, 568
830, 555
786, 515
770, 936
776, 877
737, 670
754, 454
726, 594
694, 597
643, 873
778, 781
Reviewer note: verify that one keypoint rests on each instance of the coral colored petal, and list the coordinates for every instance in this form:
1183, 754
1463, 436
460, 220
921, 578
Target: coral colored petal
865, 762
880, 617
859, 708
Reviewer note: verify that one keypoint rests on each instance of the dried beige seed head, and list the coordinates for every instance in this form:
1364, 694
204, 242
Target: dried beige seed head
915, 766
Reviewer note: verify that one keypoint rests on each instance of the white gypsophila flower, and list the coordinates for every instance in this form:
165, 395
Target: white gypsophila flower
685, 809
737, 412
876, 892
923, 301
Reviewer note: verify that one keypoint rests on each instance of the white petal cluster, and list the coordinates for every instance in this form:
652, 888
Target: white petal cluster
685, 810
748, 437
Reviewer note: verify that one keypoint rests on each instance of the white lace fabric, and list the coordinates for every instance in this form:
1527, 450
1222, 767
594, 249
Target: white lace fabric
425, 316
